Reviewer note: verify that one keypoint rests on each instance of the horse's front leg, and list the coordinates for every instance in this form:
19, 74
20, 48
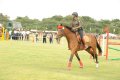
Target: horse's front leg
79, 60
70, 61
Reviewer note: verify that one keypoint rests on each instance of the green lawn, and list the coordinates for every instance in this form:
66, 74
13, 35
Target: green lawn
21, 60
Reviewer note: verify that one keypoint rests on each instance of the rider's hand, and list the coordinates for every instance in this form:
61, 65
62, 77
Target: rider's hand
73, 29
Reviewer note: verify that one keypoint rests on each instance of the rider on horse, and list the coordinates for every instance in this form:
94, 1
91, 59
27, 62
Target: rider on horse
77, 28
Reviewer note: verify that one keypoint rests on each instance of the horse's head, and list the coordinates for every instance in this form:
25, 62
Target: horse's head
63, 31
60, 34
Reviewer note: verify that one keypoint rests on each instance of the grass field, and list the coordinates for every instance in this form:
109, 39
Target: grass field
21, 60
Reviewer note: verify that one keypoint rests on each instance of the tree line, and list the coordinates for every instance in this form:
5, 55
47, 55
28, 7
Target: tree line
89, 24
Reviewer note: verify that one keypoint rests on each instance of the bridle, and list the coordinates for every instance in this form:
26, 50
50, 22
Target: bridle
62, 31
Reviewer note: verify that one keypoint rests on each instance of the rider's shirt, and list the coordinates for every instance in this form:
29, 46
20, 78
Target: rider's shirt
75, 23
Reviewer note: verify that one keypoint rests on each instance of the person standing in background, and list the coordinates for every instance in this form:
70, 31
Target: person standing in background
51, 38
44, 37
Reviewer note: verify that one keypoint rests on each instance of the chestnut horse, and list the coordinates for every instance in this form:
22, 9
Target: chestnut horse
75, 46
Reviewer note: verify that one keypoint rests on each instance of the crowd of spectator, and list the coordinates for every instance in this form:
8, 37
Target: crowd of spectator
37, 36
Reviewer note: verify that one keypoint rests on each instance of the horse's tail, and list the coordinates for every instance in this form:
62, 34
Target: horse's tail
98, 46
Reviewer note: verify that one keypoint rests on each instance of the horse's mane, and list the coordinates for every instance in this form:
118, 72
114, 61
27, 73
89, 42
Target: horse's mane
69, 28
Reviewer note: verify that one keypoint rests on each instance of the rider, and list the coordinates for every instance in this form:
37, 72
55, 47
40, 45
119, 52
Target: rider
77, 28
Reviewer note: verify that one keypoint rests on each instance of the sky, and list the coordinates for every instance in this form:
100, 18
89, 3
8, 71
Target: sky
39, 9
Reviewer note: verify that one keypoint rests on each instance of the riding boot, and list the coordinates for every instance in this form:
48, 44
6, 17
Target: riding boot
83, 41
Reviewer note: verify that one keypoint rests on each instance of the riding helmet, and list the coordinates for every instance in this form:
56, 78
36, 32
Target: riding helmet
75, 14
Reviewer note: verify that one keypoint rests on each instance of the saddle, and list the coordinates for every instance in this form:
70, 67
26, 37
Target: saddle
86, 38
86, 42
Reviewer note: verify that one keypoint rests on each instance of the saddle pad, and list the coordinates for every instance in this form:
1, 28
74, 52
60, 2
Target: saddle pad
87, 39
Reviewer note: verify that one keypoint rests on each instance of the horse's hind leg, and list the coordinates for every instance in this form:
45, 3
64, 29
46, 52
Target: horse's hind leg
90, 51
93, 53
96, 57
80, 62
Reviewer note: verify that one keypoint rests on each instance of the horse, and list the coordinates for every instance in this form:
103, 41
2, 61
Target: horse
76, 46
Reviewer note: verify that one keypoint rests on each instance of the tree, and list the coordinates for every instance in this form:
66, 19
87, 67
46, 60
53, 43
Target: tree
4, 19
